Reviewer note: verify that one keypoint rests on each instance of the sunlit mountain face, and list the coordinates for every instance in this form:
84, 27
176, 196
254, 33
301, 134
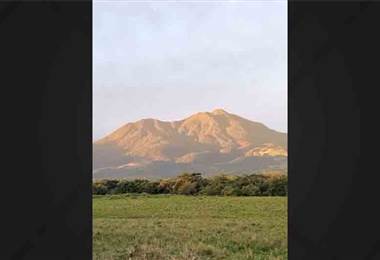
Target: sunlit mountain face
207, 142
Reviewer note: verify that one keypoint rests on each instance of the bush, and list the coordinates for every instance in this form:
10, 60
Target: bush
99, 189
188, 184
188, 188
213, 189
251, 190
195, 184
152, 188
230, 191
279, 186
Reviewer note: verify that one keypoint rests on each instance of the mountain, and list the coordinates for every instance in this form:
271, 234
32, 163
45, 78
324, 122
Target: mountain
207, 142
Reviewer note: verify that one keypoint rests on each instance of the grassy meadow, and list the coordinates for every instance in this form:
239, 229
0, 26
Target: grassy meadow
189, 227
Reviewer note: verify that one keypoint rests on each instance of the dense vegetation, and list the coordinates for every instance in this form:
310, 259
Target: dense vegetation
165, 226
195, 184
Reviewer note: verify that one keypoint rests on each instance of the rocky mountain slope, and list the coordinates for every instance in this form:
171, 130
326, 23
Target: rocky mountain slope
207, 142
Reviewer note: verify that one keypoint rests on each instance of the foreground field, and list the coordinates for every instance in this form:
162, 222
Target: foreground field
189, 227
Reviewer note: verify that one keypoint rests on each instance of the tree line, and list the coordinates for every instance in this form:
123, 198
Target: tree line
196, 184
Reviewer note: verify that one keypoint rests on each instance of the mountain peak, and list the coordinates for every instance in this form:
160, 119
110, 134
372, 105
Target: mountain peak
211, 141
219, 111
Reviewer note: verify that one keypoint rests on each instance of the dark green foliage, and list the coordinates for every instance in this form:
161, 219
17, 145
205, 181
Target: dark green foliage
216, 185
99, 189
104, 186
279, 186
195, 184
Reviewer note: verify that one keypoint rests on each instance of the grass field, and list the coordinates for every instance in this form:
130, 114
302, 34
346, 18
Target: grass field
189, 227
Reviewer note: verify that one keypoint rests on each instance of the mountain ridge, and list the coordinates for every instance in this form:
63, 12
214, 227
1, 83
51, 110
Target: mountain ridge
204, 137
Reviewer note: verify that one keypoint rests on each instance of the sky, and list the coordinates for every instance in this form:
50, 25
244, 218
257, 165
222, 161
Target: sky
168, 60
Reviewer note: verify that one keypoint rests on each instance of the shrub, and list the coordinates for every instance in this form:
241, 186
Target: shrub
230, 191
194, 184
99, 189
279, 186
250, 190
189, 184
188, 188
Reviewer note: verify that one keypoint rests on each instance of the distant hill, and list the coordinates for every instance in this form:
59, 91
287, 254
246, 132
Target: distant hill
207, 142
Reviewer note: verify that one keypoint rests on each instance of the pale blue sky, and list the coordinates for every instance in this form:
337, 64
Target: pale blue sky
168, 60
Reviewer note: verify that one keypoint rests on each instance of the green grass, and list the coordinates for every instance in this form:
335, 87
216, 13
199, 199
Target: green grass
187, 227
